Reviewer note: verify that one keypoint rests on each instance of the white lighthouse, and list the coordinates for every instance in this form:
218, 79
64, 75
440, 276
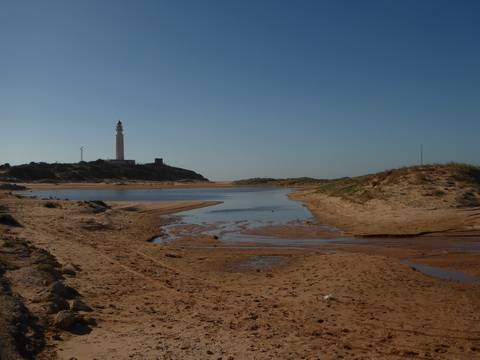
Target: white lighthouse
119, 155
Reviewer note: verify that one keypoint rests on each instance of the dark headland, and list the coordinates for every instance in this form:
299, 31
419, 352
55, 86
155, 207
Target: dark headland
95, 171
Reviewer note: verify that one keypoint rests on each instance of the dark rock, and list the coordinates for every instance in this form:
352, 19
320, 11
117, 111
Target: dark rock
87, 320
56, 301
64, 319
61, 303
62, 290
77, 305
70, 269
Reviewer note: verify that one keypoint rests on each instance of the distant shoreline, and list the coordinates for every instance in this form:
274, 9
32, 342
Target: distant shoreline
126, 185
373, 219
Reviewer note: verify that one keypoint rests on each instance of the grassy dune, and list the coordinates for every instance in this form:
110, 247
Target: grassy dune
453, 184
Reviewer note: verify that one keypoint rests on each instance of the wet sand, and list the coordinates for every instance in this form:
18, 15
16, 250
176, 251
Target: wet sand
427, 234
169, 302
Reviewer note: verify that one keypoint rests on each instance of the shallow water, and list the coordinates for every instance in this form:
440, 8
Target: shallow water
250, 215
250, 201
263, 262
443, 273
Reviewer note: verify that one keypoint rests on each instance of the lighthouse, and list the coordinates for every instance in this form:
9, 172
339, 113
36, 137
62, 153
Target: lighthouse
119, 155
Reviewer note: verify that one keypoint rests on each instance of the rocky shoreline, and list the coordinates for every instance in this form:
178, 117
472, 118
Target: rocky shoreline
37, 300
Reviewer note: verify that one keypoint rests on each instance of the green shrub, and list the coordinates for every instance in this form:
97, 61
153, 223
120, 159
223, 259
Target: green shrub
96, 205
31, 172
8, 219
99, 203
436, 193
50, 205
7, 244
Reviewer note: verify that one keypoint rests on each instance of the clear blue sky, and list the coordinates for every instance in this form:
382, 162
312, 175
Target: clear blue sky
235, 89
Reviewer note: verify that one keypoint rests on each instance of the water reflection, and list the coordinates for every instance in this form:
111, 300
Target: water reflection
244, 213
250, 204
263, 262
256, 215
443, 273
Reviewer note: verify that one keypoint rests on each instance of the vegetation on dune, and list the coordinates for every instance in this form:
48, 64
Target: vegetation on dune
437, 180
13, 187
8, 219
50, 205
98, 203
290, 182
95, 205
455, 184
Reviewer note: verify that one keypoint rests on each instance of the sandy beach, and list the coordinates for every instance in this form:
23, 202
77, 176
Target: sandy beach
151, 301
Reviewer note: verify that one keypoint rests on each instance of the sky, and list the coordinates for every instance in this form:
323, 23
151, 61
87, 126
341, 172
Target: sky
235, 89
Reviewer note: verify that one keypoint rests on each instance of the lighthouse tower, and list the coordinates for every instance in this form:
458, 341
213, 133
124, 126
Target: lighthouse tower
119, 155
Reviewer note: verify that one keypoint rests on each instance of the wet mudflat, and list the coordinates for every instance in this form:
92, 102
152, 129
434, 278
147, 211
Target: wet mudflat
266, 216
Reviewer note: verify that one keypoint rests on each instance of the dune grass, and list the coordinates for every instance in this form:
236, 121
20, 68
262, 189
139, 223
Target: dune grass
433, 179
8, 219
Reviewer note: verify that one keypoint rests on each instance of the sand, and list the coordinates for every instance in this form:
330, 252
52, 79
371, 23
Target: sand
155, 301
431, 233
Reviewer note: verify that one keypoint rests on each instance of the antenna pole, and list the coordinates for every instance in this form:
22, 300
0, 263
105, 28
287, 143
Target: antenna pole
421, 155
81, 154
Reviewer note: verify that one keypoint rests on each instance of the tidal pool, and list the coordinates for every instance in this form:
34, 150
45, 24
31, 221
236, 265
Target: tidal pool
254, 215
263, 262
